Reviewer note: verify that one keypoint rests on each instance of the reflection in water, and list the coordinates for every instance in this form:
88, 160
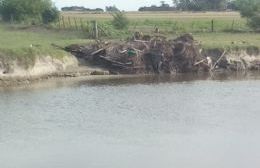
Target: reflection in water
132, 80
156, 79
147, 121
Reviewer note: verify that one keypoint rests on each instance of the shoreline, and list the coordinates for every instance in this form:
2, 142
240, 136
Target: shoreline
7, 81
114, 80
46, 68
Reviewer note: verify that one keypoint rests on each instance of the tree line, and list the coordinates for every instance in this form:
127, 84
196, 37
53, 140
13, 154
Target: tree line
193, 5
82, 9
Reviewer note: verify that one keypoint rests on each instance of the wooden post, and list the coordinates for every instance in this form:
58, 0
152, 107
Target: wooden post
63, 22
59, 23
81, 24
12, 19
233, 23
69, 22
95, 29
76, 25
212, 25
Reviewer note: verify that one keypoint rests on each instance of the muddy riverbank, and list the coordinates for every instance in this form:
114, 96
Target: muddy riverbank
158, 56
13, 73
79, 71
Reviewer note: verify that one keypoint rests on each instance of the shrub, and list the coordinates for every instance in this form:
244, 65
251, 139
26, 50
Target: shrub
254, 22
251, 10
24, 10
120, 21
50, 15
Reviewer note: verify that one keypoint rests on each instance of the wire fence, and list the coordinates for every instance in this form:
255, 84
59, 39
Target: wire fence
96, 29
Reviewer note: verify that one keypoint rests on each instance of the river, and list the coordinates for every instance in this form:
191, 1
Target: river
132, 122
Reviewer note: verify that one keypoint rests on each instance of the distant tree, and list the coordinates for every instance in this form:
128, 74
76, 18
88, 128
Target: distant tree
199, 5
22, 10
112, 9
163, 7
98, 10
81, 8
73, 8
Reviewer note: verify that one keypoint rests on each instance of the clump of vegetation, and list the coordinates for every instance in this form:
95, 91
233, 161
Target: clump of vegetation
50, 15
255, 22
35, 11
120, 21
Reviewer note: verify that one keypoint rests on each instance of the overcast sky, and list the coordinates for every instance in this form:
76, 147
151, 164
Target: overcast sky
127, 5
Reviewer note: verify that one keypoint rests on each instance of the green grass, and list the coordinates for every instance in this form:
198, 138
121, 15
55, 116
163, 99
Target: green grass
17, 38
16, 42
228, 40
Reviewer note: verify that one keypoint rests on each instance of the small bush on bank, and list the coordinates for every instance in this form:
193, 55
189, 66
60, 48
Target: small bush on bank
120, 21
254, 22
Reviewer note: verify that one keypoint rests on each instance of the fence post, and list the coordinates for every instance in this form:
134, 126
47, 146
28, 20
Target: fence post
63, 22
59, 23
95, 29
69, 22
81, 24
12, 19
212, 25
76, 25
233, 23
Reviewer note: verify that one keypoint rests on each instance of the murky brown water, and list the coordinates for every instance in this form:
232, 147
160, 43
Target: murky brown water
133, 122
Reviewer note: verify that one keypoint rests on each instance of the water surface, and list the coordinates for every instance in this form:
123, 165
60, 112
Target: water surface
133, 122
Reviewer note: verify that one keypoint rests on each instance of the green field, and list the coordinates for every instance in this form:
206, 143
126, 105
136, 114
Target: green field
229, 29
24, 44
168, 22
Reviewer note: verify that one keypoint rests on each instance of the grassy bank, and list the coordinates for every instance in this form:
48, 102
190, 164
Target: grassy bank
228, 40
24, 43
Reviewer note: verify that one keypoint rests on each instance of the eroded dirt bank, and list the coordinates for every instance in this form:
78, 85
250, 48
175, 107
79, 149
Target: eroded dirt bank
44, 67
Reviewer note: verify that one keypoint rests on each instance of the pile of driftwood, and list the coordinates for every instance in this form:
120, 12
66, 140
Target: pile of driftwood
145, 54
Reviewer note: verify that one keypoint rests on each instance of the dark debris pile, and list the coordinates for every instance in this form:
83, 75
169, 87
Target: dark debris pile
140, 55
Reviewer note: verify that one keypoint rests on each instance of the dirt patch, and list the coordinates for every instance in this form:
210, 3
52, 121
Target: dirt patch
43, 65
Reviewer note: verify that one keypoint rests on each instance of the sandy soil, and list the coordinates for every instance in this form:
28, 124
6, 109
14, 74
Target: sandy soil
46, 68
